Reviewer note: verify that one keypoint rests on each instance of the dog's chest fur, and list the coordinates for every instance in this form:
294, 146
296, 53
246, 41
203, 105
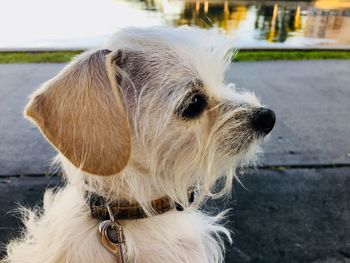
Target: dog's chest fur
67, 233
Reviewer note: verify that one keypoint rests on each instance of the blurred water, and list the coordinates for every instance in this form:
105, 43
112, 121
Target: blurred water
87, 23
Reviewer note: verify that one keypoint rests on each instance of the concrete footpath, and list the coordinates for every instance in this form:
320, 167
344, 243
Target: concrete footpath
297, 206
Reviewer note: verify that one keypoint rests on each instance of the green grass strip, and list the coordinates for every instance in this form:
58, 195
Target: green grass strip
243, 55
268, 55
37, 57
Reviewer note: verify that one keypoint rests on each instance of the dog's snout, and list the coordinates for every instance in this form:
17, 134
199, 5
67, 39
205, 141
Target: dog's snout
264, 120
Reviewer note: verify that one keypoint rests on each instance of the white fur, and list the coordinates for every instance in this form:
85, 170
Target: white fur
64, 232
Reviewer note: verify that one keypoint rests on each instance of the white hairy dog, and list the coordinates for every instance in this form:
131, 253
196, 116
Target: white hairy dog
147, 116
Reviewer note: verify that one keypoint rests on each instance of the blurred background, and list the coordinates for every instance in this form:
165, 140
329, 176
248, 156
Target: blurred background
295, 55
84, 24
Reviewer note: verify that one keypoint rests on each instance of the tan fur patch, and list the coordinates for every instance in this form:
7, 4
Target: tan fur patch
81, 112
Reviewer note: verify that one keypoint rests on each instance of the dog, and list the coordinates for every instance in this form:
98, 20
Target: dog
145, 129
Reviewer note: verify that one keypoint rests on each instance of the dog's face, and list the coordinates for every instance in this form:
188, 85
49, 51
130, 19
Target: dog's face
156, 105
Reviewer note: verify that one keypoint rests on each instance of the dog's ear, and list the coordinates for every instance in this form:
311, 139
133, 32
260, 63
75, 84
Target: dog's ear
82, 113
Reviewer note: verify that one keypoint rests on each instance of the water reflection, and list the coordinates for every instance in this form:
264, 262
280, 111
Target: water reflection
322, 22
65, 24
328, 24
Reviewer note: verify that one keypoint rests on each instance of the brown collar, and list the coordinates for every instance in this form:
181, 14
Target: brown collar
98, 207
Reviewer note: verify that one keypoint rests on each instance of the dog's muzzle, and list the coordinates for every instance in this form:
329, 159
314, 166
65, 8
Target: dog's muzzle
263, 121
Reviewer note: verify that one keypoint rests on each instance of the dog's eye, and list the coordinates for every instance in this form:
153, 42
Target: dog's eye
194, 106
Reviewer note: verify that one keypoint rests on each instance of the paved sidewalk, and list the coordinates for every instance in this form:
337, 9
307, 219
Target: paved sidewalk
310, 98
286, 215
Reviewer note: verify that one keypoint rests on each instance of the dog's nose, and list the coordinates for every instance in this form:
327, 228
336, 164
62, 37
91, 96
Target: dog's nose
264, 120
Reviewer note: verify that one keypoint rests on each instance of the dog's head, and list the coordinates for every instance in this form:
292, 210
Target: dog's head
155, 106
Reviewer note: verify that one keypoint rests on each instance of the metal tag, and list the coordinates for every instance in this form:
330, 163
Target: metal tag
112, 237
